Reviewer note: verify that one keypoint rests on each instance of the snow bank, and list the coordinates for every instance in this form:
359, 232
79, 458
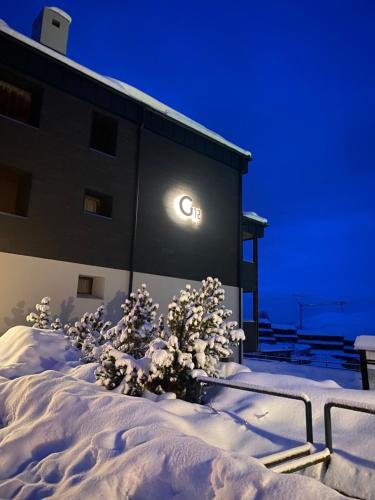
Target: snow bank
62, 435
25, 350
276, 424
365, 343
72, 439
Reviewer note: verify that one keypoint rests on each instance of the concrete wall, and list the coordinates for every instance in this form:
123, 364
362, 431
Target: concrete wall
25, 280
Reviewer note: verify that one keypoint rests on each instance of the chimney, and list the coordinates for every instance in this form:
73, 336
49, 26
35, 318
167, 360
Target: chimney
51, 28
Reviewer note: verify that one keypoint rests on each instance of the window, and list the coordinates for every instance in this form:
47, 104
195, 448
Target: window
103, 133
98, 204
90, 287
20, 102
14, 191
56, 23
85, 285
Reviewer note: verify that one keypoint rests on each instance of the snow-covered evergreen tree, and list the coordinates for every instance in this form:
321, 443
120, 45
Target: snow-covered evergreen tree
41, 317
88, 334
117, 368
137, 327
200, 334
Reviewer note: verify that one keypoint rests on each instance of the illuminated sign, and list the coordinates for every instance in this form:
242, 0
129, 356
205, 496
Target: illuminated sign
185, 206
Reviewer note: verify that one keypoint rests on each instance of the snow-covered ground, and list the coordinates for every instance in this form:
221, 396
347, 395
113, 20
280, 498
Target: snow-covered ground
63, 436
348, 379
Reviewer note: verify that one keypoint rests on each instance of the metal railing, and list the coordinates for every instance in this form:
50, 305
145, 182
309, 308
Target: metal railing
344, 405
294, 359
280, 393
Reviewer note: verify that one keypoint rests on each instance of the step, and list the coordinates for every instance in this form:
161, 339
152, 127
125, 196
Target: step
302, 463
282, 456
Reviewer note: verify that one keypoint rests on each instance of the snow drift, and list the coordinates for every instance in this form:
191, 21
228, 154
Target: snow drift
71, 439
25, 350
65, 437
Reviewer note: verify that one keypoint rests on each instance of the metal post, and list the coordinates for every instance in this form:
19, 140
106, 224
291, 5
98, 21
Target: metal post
240, 258
364, 372
281, 393
136, 199
344, 405
309, 425
256, 293
328, 426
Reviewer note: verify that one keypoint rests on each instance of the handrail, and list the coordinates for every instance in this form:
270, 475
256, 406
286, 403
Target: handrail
345, 405
281, 393
353, 365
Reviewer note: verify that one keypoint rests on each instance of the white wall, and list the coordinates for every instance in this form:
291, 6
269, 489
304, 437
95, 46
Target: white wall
25, 280
162, 289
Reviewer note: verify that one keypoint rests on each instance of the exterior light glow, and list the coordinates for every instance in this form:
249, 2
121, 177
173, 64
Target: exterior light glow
184, 207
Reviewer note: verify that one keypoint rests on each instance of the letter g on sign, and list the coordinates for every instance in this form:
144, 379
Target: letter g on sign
186, 206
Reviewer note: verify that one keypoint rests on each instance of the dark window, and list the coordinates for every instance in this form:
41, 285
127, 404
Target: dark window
96, 203
56, 23
20, 102
14, 191
85, 285
103, 133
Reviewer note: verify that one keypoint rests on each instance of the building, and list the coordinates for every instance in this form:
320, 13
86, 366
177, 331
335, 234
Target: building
103, 188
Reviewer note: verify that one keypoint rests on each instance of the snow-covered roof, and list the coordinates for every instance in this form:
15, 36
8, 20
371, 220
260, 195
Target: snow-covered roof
365, 343
124, 88
254, 217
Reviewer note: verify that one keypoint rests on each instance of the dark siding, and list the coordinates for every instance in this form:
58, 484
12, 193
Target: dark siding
31, 62
167, 248
62, 165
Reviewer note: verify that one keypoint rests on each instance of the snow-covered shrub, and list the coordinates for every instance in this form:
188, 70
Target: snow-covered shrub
171, 370
88, 334
137, 327
120, 368
41, 317
199, 335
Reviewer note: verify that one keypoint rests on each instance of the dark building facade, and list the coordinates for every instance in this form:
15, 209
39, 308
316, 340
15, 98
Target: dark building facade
103, 188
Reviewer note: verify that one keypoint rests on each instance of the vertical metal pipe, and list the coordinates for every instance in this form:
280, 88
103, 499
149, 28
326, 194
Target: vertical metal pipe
256, 293
328, 426
309, 425
239, 265
136, 199
364, 372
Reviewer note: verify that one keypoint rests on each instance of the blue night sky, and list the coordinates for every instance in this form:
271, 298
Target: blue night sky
294, 82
